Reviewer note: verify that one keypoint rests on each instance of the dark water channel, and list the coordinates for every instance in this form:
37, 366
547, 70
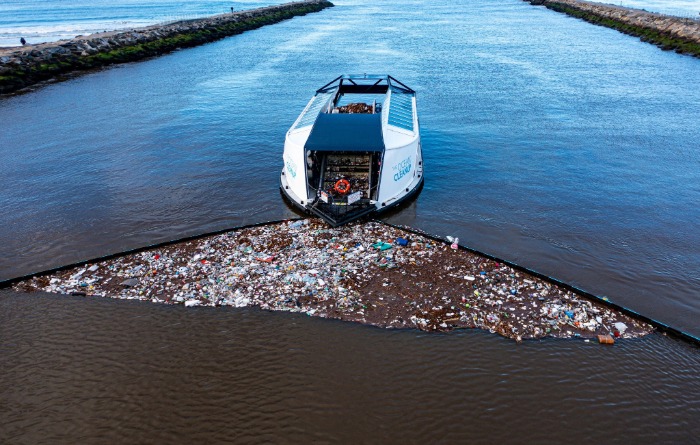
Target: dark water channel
110, 371
568, 148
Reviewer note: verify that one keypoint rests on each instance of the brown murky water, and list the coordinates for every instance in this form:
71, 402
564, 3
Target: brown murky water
77, 370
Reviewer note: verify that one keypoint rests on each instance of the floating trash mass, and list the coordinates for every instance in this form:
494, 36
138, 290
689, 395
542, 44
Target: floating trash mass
364, 272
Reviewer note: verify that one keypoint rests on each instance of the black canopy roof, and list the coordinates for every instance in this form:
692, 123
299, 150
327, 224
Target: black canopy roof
346, 132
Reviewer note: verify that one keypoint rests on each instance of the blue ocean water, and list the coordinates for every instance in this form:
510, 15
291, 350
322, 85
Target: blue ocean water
49, 20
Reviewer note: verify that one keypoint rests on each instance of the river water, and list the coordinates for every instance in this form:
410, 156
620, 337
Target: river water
568, 148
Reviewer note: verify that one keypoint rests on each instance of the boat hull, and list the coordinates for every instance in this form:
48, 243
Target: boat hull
306, 209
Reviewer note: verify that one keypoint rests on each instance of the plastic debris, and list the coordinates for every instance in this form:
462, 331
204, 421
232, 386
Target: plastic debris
621, 327
606, 340
131, 282
363, 272
454, 242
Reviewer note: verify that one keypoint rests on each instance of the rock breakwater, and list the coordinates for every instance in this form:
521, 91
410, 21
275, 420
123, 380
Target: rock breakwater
363, 272
667, 32
28, 65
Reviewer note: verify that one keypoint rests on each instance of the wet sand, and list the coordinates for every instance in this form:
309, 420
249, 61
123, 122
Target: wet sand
368, 272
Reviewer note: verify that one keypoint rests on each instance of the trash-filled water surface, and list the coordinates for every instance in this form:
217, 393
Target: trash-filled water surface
567, 148
370, 273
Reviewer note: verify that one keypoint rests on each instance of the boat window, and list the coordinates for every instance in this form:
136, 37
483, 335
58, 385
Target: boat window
401, 110
308, 117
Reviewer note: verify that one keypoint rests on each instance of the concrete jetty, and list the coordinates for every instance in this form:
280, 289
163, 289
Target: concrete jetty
667, 32
27, 65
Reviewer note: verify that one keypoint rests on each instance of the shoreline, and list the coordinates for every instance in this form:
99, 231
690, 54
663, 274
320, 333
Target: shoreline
371, 273
669, 33
24, 66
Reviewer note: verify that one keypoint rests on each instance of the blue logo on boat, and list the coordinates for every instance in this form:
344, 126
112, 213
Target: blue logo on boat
291, 168
402, 168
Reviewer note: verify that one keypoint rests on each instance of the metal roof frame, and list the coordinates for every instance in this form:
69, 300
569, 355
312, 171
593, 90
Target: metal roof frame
380, 82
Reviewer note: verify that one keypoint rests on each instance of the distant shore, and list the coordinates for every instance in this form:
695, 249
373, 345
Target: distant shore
667, 32
21, 67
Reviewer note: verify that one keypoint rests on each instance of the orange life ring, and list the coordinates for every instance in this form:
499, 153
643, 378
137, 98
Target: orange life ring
342, 186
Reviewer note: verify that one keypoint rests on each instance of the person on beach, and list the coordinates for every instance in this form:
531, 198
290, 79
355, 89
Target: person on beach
22, 41
231, 9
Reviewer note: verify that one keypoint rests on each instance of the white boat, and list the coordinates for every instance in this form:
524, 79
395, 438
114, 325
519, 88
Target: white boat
354, 150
